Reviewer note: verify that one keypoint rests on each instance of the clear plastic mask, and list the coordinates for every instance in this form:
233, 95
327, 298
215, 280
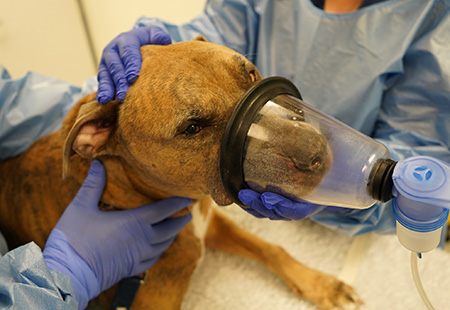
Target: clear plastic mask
275, 142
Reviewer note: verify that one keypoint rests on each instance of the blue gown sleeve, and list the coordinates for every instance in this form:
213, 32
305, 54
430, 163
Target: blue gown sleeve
27, 283
33, 106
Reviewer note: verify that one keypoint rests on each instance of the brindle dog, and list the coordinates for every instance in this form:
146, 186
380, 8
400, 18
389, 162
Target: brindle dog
163, 141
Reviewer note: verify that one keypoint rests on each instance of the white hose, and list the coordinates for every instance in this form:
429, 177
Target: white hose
416, 277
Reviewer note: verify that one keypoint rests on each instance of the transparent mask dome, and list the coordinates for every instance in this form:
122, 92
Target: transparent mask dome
279, 144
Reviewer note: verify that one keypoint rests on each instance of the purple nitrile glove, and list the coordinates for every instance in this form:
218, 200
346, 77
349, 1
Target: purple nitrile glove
121, 61
276, 207
96, 249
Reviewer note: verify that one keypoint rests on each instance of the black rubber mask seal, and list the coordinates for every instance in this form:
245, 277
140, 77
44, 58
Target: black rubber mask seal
380, 180
233, 141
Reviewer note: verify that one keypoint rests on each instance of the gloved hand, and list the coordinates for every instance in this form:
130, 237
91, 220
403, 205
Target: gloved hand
97, 248
276, 207
121, 61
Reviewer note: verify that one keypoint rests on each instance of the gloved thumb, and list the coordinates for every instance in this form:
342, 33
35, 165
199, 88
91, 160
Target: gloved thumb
93, 186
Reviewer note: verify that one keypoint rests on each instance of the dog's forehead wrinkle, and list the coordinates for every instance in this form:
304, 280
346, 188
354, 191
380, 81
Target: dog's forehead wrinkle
207, 112
198, 102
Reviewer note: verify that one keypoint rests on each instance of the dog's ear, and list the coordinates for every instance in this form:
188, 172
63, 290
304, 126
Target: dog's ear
89, 133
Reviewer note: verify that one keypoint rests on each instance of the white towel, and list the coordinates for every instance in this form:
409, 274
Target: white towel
382, 279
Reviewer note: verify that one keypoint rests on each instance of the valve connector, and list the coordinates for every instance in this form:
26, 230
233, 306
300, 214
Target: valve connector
380, 180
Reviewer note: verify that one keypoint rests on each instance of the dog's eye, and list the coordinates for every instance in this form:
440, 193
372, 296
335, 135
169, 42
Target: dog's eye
192, 129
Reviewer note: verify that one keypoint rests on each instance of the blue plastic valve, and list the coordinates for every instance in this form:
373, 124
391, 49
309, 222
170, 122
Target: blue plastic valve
421, 201
422, 193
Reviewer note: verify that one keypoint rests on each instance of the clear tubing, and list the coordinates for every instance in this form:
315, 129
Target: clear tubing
416, 277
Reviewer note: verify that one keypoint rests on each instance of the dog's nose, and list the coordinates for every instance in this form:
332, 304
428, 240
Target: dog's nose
309, 162
307, 151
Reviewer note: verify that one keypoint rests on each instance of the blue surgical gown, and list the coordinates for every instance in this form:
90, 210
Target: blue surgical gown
27, 283
33, 106
384, 70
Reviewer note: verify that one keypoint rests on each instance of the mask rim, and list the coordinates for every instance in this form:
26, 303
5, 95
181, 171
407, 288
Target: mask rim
234, 137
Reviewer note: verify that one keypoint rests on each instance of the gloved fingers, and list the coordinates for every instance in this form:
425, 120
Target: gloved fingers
288, 208
129, 48
156, 250
169, 228
122, 60
253, 200
160, 210
157, 36
149, 256
116, 70
146, 264
106, 88
249, 198
132, 60
92, 188
129, 52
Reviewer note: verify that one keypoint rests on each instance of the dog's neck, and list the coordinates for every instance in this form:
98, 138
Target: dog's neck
123, 190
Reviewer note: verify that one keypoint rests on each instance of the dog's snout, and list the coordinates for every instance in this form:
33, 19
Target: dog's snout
317, 161
309, 153
308, 162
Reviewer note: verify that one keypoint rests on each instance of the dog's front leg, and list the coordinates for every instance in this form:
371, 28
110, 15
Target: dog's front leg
324, 290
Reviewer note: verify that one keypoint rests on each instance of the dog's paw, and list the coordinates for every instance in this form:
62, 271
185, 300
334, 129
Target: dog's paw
326, 292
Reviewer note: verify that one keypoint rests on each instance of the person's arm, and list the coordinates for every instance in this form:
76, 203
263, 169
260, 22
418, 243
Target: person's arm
27, 283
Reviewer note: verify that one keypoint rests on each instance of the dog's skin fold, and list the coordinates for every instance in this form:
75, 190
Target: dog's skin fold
163, 141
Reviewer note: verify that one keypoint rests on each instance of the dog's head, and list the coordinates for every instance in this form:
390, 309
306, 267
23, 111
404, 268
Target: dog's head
164, 139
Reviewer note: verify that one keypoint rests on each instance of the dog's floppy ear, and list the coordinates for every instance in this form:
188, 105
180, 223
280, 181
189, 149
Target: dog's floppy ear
90, 132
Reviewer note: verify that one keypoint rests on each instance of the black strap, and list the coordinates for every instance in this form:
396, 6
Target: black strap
126, 291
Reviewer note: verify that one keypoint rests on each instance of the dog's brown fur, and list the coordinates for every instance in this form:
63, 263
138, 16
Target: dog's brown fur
149, 155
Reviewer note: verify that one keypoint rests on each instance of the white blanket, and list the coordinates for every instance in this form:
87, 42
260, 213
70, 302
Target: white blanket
381, 277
